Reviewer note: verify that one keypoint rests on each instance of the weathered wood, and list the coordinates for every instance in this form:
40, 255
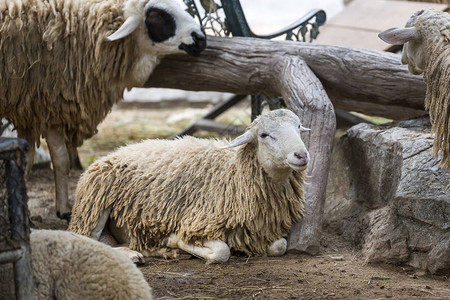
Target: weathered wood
303, 74
368, 81
304, 94
10, 256
20, 229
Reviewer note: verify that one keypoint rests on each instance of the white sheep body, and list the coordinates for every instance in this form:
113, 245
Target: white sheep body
60, 76
190, 188
427, 50
73, 267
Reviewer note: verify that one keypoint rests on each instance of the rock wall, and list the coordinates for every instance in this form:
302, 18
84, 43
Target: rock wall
387, 194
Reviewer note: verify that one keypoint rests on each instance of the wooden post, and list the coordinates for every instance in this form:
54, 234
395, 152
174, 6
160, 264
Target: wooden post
299, 82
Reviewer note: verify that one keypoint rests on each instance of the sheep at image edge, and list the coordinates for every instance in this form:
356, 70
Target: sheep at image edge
65, 63
427, 50
73, 267
193, 195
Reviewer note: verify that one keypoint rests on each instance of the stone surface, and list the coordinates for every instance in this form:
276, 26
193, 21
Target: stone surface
386, 193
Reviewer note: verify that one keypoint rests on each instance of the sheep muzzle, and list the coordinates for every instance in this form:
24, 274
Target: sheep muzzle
196, 48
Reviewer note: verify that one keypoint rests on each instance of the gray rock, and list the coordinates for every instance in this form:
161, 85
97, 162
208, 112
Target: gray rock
386, 193
386, 239
439, 258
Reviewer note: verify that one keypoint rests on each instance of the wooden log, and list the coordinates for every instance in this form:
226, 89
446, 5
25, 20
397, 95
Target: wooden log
367, 81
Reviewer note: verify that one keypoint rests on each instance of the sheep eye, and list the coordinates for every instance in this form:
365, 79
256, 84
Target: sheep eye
264, 135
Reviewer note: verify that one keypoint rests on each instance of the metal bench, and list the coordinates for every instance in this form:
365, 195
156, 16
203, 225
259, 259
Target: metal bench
210, 15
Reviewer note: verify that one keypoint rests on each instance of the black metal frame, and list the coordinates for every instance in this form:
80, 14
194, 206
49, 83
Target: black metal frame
235, 24
12, 152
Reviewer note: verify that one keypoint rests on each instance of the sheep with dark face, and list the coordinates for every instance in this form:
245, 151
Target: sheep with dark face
64, 63
192, 195
427, 50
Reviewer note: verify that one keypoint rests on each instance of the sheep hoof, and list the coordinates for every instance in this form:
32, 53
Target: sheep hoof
278, 248
64, 216
168, 253
135, 256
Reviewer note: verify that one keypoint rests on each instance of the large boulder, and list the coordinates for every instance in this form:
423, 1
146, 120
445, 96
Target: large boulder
387, 194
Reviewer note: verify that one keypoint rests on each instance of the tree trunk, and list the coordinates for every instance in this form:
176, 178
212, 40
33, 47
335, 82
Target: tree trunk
307, 76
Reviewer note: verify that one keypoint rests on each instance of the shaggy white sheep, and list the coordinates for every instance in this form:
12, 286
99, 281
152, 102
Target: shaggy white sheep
64, 63
74, 267
427, 50
192, 195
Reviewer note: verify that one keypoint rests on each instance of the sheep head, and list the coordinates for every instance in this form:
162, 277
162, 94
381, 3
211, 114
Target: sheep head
421, 33
162, 27
279, 145
427, 50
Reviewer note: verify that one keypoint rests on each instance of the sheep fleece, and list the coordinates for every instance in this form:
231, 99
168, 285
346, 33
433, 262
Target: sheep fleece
69, 266
190, 188
55, 67
435, 31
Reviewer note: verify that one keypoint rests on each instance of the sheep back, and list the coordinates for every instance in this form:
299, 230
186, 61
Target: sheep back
55, 67
69, 266
190, 188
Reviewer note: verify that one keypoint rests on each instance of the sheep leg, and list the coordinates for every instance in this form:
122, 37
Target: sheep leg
168, 253
107, 238
215, 251
29, 157
277, 248
97, 232
75, 162
61, 166
135, 256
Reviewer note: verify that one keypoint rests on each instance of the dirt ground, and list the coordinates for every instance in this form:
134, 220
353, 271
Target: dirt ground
337, 273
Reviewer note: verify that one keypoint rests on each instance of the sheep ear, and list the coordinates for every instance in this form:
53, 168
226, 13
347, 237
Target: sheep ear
398, 36
130, 24
245, 138
303, 129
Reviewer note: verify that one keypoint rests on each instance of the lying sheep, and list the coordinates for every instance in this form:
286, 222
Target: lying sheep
70, 266
427, 50
194, 195
64, 63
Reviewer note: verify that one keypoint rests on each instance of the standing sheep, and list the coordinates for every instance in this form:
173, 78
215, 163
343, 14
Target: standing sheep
193, 195
64, 63
427, 50
73, 267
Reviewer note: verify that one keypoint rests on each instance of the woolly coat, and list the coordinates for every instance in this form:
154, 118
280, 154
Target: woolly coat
56, 68
73, 267
434, 28
190, 188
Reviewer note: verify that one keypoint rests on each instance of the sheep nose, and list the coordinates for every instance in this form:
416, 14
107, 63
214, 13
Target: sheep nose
198, 45
199, 40
301, 156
